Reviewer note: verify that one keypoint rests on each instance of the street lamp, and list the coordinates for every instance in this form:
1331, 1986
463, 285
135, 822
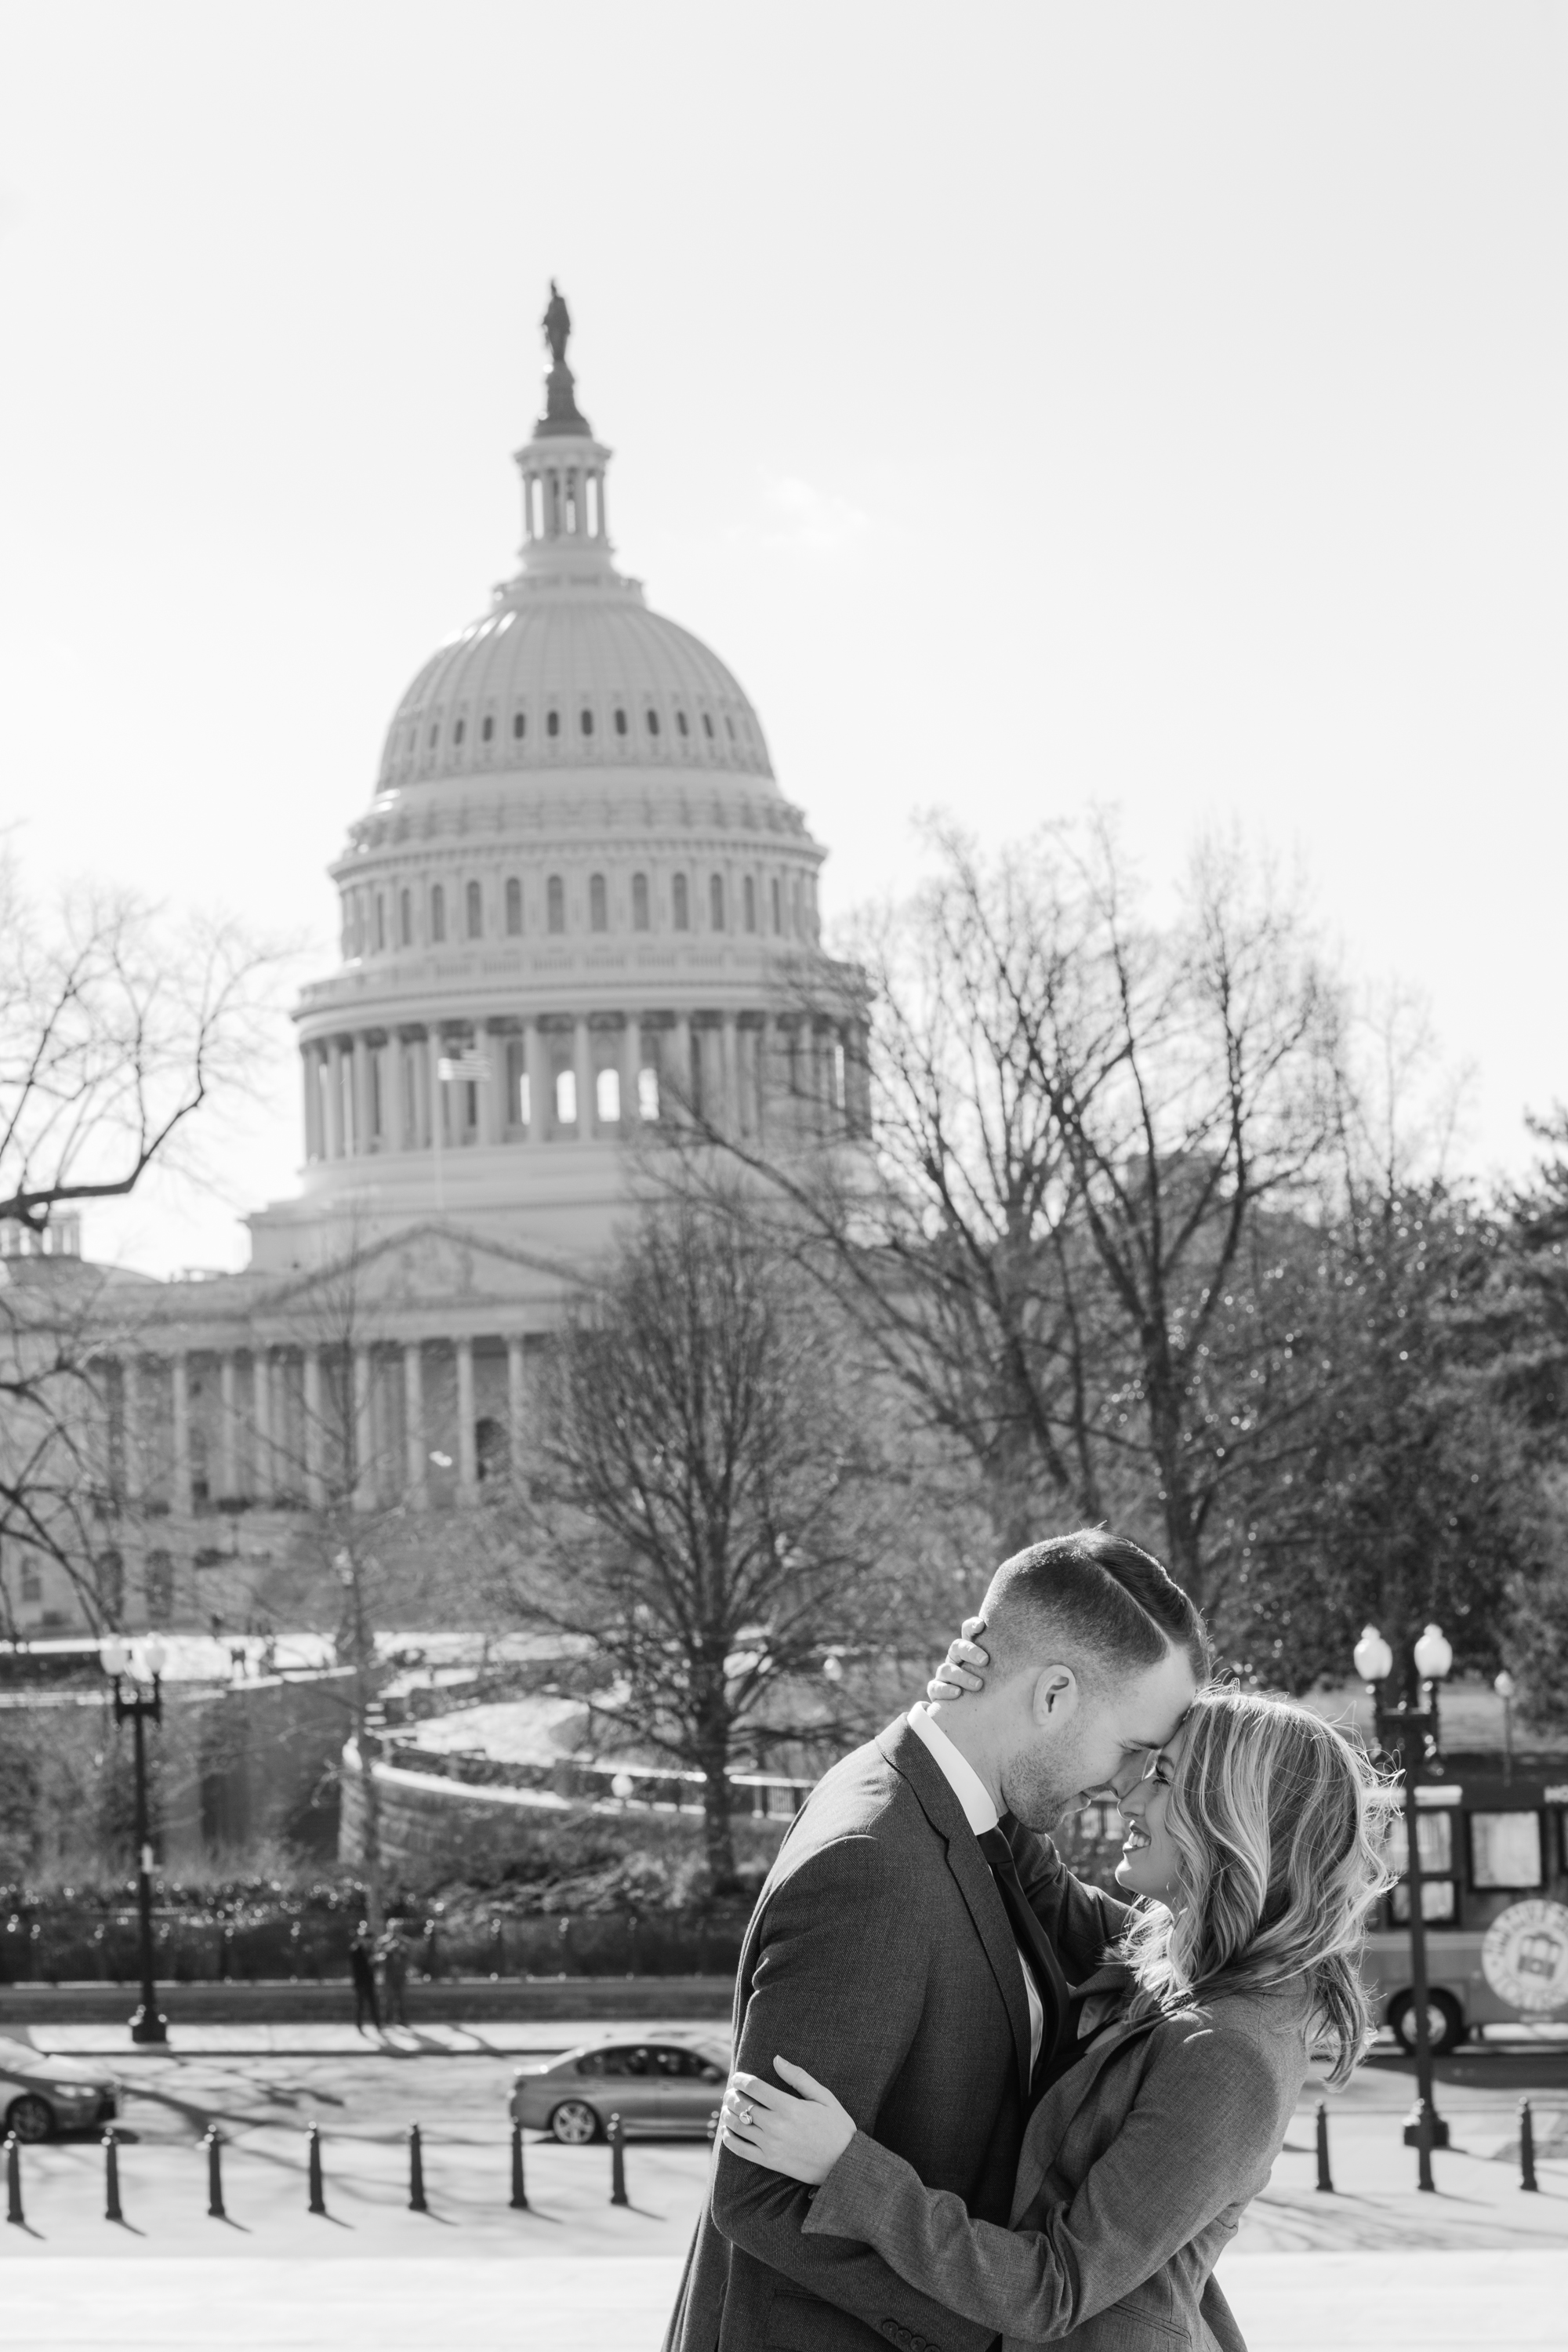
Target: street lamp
146, 2025
1507, 1689
1408, 1735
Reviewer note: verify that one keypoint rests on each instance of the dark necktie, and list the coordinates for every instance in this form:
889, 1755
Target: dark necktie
1032, 1940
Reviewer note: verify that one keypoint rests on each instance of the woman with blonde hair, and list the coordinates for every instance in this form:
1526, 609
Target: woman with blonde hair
1256, 1841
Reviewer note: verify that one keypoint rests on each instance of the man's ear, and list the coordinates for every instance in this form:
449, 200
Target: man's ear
1055, 1696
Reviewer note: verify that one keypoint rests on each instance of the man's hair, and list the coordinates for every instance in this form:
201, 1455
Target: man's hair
1097, 1601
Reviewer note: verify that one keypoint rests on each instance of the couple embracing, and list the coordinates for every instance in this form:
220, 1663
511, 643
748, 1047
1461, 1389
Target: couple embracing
975, 2099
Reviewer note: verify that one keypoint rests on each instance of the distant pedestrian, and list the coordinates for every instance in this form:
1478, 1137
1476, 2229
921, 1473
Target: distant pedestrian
393, 1956
361, 1966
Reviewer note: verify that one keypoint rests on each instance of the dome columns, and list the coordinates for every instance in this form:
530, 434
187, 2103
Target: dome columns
585, 1077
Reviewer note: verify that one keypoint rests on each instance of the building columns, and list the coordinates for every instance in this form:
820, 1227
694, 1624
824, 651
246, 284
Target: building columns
227, 1431
583, 1065
181, 1500
315, 1431
131, 1426
517, 1404
308, 1067
681, 1073
491, 1042
539, 1106
334, 1054
468, 1456
729, 1114
359, 1050
262, 1420
396, 1137
415, 1457
436, 1048
363, 1431
631, 1055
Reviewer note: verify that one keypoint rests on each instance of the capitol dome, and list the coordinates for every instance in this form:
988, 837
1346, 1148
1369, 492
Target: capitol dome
577, 902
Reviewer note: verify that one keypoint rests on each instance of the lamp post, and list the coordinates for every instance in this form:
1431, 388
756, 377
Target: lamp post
1409, 1736
146, 2025
1505, 1687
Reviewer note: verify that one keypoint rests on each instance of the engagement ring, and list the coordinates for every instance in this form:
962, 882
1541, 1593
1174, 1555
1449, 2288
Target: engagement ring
745, 2115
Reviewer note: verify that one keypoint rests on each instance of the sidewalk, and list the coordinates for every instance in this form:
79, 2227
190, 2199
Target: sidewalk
540, 2037
1284, 2303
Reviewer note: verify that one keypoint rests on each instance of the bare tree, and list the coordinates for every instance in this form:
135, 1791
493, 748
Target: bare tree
117, 1028
1082, 1122
709, 1506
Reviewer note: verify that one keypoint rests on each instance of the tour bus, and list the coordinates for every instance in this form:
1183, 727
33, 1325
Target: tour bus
1494, 1864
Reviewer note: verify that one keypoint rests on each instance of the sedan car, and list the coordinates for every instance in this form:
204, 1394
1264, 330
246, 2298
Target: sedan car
655, 2088
41, 2094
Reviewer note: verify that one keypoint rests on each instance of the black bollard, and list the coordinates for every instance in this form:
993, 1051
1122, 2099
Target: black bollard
214, 2147
13, 2179
415, 2171
111, 2207
617, 2164
317, 2194
1527, 2179
1325, 2178
519, 2193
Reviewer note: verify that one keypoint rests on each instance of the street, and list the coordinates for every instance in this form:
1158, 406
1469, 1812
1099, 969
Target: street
1373, 2264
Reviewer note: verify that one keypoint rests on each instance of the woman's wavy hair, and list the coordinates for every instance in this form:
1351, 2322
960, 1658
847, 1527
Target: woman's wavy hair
1280, 1825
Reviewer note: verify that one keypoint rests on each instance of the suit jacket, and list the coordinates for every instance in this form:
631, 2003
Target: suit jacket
879, 1956
1134, 2172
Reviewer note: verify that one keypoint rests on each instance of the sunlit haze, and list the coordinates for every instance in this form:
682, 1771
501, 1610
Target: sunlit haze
1154, 406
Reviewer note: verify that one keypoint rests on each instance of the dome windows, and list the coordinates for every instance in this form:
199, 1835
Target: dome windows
652, 718
715, 902
680, 723
487, 729
475, 908
552, 722
405, 918
598, 904
437, 913
514, 908
708, 726
775, 909
639, 902
586, 721
555, 904
434, 735
458, 728
519, 725
749, 903
680, 903
620, 722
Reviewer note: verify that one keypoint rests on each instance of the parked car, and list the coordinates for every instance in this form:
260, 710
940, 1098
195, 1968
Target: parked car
655, 2088
40, 2095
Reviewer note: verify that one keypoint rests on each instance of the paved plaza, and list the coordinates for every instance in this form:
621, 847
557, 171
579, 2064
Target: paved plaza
1373, 2268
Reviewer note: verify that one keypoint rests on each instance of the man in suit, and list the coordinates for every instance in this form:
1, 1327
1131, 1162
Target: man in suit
916, 1942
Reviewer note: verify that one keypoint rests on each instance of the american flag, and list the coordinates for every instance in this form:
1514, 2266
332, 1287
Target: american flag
462, 1066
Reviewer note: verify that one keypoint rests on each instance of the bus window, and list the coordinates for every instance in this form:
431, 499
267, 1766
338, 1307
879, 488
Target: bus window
1439, 1897
1436, 1836
1436, 1902
1505, 1851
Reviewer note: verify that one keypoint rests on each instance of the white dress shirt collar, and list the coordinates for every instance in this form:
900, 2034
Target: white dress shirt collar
956, 1769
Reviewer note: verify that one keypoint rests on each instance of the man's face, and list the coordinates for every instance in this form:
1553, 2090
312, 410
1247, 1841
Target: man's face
1098, 1748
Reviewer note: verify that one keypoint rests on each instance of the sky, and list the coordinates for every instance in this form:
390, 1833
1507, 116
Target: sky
1151, 406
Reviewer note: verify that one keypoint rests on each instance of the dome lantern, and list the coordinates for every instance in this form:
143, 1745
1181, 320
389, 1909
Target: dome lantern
563, 468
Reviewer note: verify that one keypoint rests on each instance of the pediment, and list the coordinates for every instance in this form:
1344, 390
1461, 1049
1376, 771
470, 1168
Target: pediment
429, 1267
